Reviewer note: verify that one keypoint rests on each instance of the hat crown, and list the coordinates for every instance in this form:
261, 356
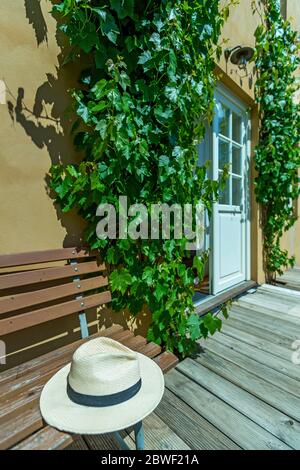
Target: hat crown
103, 367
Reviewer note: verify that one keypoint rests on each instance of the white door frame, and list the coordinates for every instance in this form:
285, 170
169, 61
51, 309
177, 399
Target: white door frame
226, 96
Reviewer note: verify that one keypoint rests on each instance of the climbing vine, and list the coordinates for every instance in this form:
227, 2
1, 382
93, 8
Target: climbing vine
277, 157
142, 103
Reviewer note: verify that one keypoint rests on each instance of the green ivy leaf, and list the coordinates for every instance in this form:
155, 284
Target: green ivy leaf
123, 8
212, 323
83, 112
144, 57
193, 323
150, 77
172, 92
164, 160
199, 265
120, 280
110, 29
101, 12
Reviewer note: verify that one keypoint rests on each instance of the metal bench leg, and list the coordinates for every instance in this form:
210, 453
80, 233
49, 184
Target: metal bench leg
82, 316
83, 325
139, 436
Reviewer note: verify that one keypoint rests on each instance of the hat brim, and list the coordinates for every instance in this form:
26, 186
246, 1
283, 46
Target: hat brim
60, 412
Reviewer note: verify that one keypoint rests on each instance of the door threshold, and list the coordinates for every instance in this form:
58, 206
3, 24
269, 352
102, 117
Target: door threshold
212, 302
204, 298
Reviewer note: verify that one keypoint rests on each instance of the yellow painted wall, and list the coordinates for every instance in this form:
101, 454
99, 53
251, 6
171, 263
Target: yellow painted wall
34, 133
293, 13
238, 30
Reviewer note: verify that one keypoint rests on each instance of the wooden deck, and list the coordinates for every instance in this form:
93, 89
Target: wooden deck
291, 279
242, 391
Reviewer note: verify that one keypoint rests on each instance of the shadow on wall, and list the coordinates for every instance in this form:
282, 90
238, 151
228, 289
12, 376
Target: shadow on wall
48, 126
244, 75
36, 19
50, 130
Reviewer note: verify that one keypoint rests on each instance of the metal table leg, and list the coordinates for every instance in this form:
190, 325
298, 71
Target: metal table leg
139, 436
121, 441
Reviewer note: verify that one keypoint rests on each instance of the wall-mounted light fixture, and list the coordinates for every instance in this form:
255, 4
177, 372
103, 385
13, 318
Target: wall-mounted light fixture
239, 55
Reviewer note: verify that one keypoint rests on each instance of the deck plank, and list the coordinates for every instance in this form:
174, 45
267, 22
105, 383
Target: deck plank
278, 326
193, 429
246, 324
263, 357
78, 444
269, 309
272, 376
282, 400
269, 305
265, 309
291, 279
158, 436
206, 372
243, 431
280, 291
101, 442
240, 392
258, 343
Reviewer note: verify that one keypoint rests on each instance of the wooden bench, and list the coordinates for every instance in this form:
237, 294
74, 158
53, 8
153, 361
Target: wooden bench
41, 290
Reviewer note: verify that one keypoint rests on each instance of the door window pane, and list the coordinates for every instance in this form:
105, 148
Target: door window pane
236, 191
224, 153
223, 119
236, 128
224, 197
236, 160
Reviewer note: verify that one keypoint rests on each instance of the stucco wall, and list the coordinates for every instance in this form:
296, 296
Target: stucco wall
238, 30
293, 13
34, 132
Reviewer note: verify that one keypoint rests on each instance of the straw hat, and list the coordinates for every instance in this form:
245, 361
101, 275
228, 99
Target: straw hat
107, 387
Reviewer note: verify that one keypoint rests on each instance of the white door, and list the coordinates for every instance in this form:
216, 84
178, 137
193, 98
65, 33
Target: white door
230, 228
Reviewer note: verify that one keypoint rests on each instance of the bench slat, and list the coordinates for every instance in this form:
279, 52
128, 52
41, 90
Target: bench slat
136, 342
166, 361
151, 350
39, 369
49, 274
22, 426
17, 429
17, 402
25, 320
45, 256
27, 368
27, 401
29, 299
47, 438
19, 393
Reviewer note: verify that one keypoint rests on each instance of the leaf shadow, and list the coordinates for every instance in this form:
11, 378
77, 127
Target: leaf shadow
48, 123
35, 17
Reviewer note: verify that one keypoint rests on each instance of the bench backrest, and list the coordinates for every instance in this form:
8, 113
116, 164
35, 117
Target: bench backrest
34, 293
